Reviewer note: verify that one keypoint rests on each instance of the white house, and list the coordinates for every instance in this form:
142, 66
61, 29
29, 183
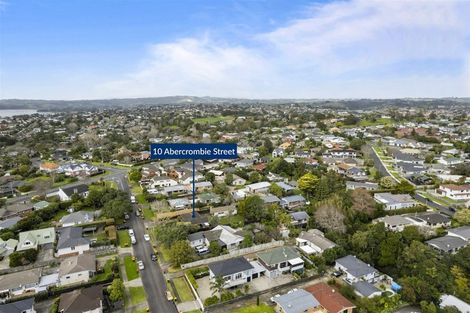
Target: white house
235, 272
71, 242
66, 193
162, 181
395, 202
313, 241
34, 238
455, 192
356, 270
280, 260
77, 269
260, 187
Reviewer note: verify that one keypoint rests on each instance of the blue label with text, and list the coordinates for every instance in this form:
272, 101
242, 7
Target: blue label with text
196, 151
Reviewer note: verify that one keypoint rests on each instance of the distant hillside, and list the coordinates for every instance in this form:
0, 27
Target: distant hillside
81, 105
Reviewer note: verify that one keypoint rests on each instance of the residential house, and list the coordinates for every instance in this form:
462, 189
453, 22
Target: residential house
448, 244
453, 301
48, 167
366, 289
395, 201
261, 187
18, 283
78, 169
299, 218
22, 306
356, 270
286, 188
179, 203
238, 181
330, 298
351, 185
76, 218
278, 152
235, 272
85, 300
270, 199
293, 202
162, 181
298, 301
208, 198
396, 222
71, 242
400, 157
77, 269
40, 205
224, 235
7, 247
281, 260
66, 193
9, 223
313, 241
462, 232
455, 192
34, 238
222, 211
201, 186
430, 219
174, 190
342, 153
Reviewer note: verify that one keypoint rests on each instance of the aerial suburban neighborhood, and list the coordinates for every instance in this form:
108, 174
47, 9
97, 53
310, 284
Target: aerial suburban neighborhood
235, 156
322, 210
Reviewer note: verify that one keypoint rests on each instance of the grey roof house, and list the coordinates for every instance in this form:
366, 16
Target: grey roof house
71, 241
281, 260
356, 270
236, 271
448, 244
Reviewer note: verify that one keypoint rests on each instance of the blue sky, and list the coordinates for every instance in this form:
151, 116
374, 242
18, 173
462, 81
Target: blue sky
80, 49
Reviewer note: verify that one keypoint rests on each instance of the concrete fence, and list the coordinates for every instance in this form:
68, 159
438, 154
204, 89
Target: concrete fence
234, 253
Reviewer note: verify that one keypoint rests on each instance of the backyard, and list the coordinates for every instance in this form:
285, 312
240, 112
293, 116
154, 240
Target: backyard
137, 295
213, 119
262, 308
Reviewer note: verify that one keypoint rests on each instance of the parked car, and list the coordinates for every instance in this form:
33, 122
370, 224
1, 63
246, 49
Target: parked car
153, 256
146, 237
202, 250
140, 264
122, 226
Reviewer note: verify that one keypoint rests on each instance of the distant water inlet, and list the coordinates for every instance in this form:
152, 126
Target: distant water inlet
10, 113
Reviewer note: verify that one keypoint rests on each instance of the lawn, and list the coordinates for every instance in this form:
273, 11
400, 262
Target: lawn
165, 253
234, 221
124, 238
379, 121
263, 308
148, 214
131, 268
141, 199
213, 119
135, 189
137, 295
111, 184
183, 289
108, 269
59, 215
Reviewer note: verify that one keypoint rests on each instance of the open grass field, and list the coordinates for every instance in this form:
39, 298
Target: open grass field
148, 214
262, 308
131, 268
137, 295
213, 119
183, 289
124, 238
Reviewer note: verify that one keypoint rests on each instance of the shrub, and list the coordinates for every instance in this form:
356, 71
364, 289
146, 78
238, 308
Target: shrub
25, 188
211, 301
19, 258
191, 279
226, 296
54, 306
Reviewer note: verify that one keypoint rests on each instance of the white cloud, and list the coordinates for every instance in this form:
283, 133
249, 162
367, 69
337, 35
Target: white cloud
313, 56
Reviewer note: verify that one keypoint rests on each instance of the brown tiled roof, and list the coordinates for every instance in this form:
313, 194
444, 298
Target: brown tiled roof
329, 298
456, 187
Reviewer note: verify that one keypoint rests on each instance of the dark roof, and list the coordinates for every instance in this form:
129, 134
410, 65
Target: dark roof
18, 306
71, 237
447, 243
364, 288
298, 216
230, 266
433, 218
75, 189
81, 300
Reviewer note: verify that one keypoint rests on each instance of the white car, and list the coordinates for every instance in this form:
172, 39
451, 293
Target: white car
131, 232
140, 264
146, 237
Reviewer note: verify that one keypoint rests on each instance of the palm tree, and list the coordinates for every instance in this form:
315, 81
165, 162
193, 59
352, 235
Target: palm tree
217, 285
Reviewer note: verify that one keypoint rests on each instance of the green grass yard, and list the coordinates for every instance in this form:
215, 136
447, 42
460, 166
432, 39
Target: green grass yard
148, 214
137, 295
262, 308
131, 268
141, 199
183, 290
124, 238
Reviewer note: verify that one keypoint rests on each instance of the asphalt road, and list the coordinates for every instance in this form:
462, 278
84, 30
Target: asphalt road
152, 275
